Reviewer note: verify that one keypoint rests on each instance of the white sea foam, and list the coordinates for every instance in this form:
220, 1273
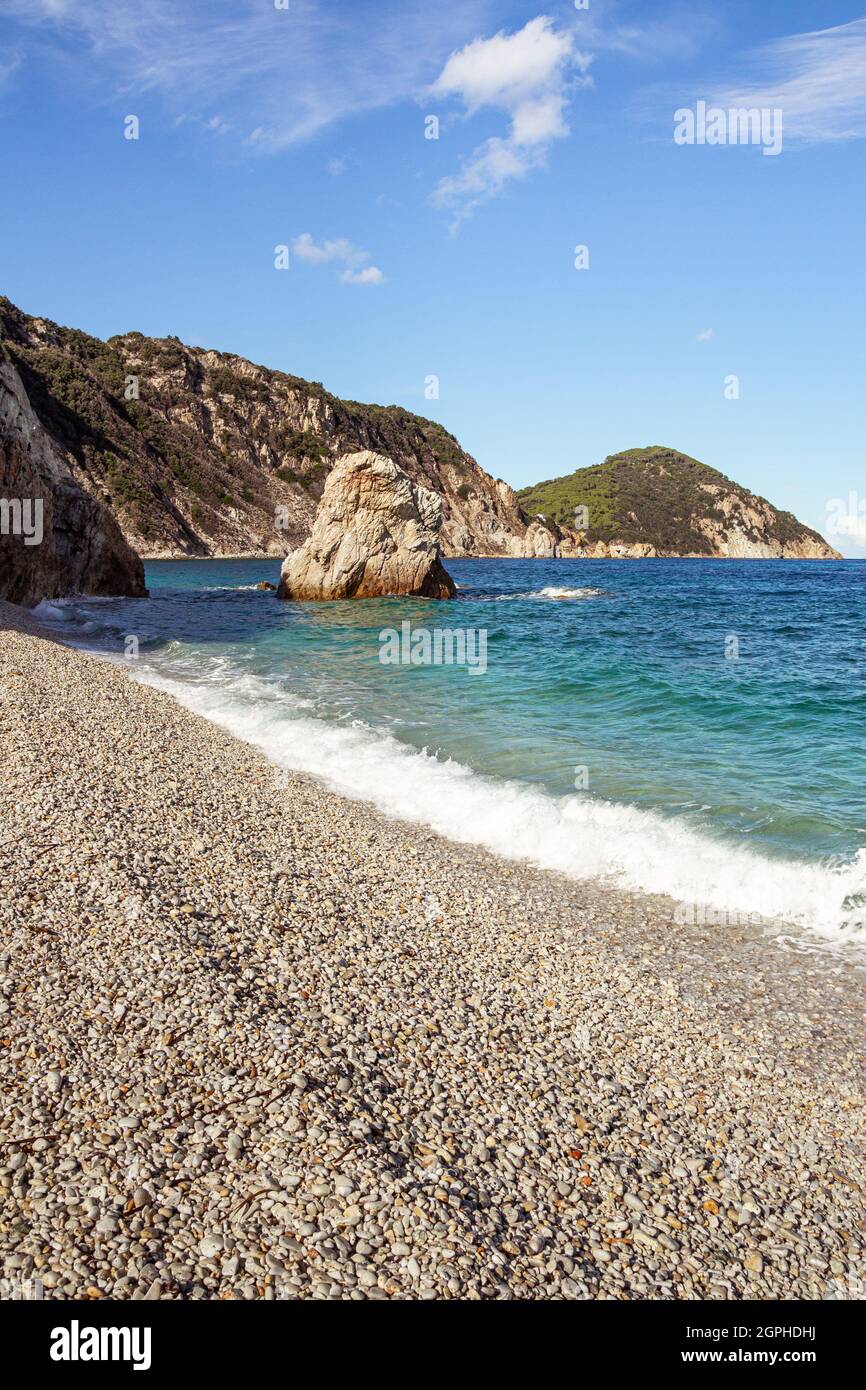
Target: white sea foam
53, 610
553, 591
576, 835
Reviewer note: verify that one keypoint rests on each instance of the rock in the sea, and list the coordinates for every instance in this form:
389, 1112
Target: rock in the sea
55, 538
375, 533
264, 584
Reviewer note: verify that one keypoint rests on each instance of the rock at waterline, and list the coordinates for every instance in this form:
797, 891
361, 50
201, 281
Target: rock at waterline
375, 533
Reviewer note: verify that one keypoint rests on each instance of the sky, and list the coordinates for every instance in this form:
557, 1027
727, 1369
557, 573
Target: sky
432, 171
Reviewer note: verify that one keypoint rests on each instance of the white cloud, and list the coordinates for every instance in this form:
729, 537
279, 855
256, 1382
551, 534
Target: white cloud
507, 69
370, 275
528, 75
818, 80
355, 272
336, 167
490, 168
279, 76
306, 249
705, 335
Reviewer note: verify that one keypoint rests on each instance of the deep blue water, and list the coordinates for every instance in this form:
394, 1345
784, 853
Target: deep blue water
716, 711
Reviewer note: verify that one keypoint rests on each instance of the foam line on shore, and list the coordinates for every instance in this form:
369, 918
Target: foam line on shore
577, 835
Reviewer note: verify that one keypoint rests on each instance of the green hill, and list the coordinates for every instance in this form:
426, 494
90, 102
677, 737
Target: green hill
663, 498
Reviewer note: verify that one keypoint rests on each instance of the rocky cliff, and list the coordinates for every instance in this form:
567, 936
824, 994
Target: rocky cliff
204, 453
658, 502
55, 538
198, 452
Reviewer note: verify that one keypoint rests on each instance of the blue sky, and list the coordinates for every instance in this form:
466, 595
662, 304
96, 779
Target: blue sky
454, 257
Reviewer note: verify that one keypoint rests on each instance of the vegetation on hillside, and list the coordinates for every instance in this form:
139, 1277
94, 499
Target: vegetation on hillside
195, 450
654, 495
179, 440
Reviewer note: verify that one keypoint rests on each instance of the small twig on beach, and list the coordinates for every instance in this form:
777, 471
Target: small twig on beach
258, 1095
254, 1197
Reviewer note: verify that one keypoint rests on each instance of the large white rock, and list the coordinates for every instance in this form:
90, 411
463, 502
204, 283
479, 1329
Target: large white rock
375, 533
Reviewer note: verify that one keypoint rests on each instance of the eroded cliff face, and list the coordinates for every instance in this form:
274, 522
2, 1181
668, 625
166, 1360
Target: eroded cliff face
204, 453
55, 539
746, 531
198, 452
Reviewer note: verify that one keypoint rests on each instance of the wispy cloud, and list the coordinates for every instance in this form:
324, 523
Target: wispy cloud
280, 76
625, 29
818, 80
354, 261
9, 63
705, 335
528, 75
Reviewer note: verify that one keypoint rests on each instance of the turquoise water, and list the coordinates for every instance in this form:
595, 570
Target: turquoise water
734, 780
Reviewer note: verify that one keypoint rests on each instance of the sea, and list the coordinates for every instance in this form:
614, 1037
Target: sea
686, 727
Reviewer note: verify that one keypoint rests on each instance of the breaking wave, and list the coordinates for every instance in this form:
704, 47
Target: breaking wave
577, 835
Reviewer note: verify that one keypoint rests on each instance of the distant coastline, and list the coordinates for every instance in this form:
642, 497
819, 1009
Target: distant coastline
174, 450
265, 556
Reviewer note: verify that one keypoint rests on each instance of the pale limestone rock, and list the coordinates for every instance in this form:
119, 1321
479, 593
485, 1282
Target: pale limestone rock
541, 541
375, 533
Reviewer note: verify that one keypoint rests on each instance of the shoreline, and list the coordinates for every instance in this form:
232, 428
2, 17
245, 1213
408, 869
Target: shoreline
277, 1044
277, 559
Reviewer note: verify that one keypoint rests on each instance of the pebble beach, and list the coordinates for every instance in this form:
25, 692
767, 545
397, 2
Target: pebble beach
261, 1042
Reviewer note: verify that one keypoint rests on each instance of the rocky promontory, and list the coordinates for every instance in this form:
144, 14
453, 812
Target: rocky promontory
656, 502
202, 453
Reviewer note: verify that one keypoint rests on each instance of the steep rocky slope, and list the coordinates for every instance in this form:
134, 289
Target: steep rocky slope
656, 501
198, 452
55, 538
203, 453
